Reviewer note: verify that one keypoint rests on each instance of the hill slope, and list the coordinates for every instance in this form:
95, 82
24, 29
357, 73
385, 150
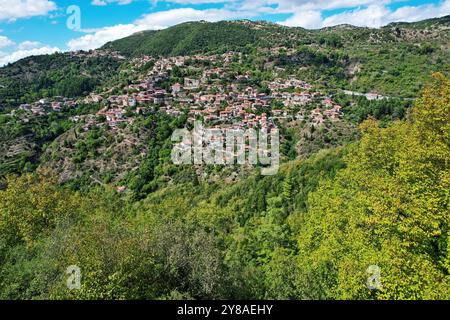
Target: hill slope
195, 37
399, 56
395, 60
62, 74
188, 38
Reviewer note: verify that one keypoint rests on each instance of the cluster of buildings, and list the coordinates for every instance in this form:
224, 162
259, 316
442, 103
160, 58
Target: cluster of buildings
210, 89
216, 94
45, 105
96, 54
368, 96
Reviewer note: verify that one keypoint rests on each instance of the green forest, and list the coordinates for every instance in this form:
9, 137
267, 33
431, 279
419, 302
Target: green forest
309, 232
359, 209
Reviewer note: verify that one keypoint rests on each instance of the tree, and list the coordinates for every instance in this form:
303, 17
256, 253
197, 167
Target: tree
388, 208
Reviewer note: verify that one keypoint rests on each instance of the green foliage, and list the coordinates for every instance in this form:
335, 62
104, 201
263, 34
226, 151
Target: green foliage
59, 74
185, 241
389, 208
21, 143
309, 232
187, 38
358, 109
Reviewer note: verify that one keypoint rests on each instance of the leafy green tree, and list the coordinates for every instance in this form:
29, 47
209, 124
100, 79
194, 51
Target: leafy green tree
388, 208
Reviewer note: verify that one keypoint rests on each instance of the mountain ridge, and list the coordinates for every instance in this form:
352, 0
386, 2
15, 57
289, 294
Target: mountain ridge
407, 46
266, 29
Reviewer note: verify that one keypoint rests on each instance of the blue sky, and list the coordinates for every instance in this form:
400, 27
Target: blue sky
30, 27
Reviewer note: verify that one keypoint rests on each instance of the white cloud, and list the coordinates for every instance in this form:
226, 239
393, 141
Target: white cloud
5, 42
198, 1
124, 2
102, 36
22, 53
165, 19
310, 19
15, 9
28, 45
106, 2
412, 14
374, 15
294, 6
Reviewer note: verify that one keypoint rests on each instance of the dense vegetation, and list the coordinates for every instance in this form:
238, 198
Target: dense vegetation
188, 38
310, 232
371, 188
23, 142
395, 60
66, 75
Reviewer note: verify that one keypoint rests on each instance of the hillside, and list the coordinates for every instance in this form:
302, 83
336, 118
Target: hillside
88, 177
70, 74
395, 60
309, 232
199, 37
189, 38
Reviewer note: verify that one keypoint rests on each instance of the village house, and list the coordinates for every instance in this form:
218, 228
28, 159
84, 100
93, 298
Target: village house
56, 106
38, 110
44, 101
235, 104
176, 88
191, 84
25, 107
334, 113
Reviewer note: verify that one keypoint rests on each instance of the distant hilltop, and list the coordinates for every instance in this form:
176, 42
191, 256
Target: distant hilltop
200, 37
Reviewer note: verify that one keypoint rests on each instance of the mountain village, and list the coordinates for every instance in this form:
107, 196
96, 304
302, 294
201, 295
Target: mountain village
218, 96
